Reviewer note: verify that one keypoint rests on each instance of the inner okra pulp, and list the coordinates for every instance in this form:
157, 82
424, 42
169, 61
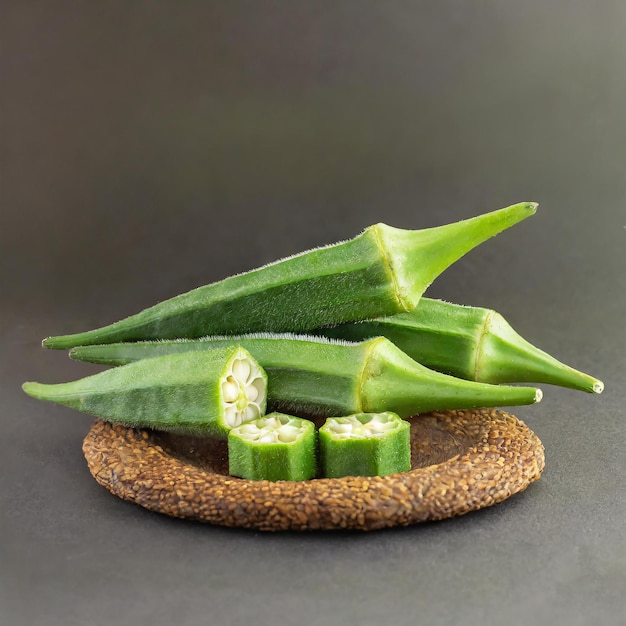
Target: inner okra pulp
361, 426
243, 392
276, 429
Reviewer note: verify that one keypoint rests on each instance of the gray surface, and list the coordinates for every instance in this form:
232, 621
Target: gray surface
148, 148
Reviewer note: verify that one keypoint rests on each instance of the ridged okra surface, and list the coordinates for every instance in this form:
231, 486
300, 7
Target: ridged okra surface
198, 393
382, 271
469, 342
317, 377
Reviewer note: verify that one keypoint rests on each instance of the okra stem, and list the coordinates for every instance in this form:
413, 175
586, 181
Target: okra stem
313, 376
468, 342
198, 393
382, 271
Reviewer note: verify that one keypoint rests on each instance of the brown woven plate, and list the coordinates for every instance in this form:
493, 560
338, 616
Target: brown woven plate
461, 461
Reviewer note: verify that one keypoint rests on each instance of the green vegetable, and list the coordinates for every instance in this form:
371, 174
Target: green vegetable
472, 343
383, 271
274, 447
365, 444
312, 376
197, 393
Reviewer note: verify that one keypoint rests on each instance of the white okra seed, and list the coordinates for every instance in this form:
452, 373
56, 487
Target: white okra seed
287, 437
241, 370
230, 416
287, 433
272, 422
259, 385
250, 429
341, 428
250, 413
230, 390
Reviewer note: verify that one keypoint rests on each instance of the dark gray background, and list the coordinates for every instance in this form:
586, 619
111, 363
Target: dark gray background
150, 147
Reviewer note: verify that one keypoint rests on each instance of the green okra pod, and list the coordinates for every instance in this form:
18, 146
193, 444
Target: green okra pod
382, 271
468, 342
313, 376
365, 444
274, 447
198, 393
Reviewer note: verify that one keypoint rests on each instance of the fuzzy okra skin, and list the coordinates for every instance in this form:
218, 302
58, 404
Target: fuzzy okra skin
365, 444
382, 271
197, 393
274, 447
318, 377
469, 342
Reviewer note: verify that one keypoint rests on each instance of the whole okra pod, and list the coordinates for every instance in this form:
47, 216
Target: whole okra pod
468, 342
382, 271
196, 393
313, 376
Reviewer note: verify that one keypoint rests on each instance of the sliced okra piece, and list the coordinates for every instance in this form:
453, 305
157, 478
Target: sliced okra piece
469, 342
318, 377
274, 447
197, 393
382, 271
365, 444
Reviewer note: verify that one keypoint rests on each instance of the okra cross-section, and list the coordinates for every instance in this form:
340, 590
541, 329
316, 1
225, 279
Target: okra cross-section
197, 393
365, 444
244, 390
274, 447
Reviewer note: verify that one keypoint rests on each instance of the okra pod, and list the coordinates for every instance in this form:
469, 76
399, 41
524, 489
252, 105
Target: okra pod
365, 444
468, 342
382, 271
196, 393
318, 377
274, 447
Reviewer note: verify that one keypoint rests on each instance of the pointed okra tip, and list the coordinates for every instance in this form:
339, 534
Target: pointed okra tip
39, 391
521, 209
417, 257
30, 389
579, 380
53, 343
504, 356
